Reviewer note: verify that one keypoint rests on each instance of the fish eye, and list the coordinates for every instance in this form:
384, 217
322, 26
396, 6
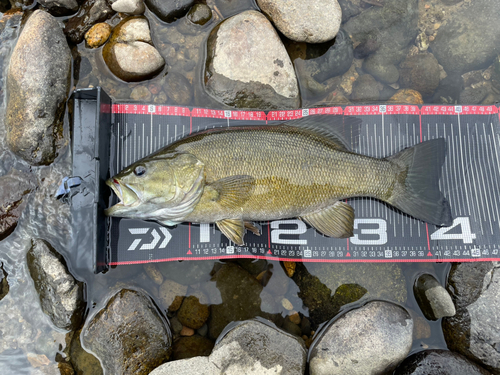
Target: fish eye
139, 170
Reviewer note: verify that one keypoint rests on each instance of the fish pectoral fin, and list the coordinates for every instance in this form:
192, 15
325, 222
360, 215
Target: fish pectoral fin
233, 191
252, 227
234, 229
334, 221
167, 223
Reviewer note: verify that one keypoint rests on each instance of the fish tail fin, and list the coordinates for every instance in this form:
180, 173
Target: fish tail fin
416, 191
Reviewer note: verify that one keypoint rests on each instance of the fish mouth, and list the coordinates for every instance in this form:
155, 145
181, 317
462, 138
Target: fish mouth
128, 198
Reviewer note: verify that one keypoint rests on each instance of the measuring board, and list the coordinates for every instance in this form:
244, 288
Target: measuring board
470, 180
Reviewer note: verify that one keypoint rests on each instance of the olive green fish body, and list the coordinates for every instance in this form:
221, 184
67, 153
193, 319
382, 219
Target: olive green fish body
234, 176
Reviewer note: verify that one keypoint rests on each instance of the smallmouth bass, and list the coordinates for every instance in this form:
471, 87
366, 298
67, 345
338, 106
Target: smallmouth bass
303, 168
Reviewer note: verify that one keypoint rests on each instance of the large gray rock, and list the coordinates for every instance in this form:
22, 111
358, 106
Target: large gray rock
432, 298
37, 86
191, 366
420, 72
438, 362
248, 66
90, 13
130, 53
129, 336
258, 347
313, 21
470, 39
13, 190
61, 296
372, 339
475, 329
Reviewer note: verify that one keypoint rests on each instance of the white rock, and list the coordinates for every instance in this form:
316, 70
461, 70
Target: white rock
312, 21
129, 6
191, 366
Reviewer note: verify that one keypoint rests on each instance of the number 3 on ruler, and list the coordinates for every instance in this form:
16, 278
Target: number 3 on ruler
465, 235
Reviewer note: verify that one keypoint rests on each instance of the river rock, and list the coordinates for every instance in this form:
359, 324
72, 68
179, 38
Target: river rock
194, 346
60, 7
130, 53
14, 188
187, 273
314, 21
372, 339
432, 298
129, 336
82, 361
258, 347
335, 61
199, 14
98, 34
420, 72
470, 39
191, 366
128, 6
178, 89
240, 294
169, 11
365, 89
37, 85
4, 284
61, 296
438, 362
406, 96
474, 331
90, 13
241, 73
192, 313
171, 294
393, 25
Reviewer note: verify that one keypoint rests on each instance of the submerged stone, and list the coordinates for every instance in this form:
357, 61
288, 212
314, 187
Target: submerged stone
60, 7
432, 298
169, 11
129, 336
90, 13
61, 295
421, 73
37, 86
242, 73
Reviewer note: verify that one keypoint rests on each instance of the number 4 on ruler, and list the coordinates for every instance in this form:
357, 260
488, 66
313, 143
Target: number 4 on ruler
465, 235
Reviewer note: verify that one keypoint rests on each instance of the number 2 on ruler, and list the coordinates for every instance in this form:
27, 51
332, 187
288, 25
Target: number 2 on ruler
465, 235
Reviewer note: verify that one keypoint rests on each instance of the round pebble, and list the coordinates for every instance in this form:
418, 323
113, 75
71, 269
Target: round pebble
186, 331
295, 317
98, 35
286, 304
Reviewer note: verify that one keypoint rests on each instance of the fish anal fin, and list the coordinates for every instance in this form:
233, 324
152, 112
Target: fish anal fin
334, 221
233, 191
234, 229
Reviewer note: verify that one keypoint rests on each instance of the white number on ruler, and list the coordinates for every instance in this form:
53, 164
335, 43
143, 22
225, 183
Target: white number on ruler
465, 235
380, 231
276, 232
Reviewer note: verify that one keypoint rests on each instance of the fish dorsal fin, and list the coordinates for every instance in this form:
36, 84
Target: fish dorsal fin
342, 131
334, 221
234, 229
232, 191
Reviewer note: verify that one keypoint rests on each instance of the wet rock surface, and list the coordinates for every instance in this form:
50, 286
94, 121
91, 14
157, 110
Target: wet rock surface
475, 329
169, 11
406, 96
61, 296
14, 188
128, 6
37, 84
438, 362
470, 40
187, 273
4, 284
432, 297
372, 339
192, 366
314, 21
82, 361
171, 294
98, 34
128, 335
241, 74
130, 53
60, 7
90, 13
200, 14
421, 73
178, 89
192, 313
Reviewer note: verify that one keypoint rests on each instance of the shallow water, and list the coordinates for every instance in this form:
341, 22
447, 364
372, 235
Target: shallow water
24, 328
